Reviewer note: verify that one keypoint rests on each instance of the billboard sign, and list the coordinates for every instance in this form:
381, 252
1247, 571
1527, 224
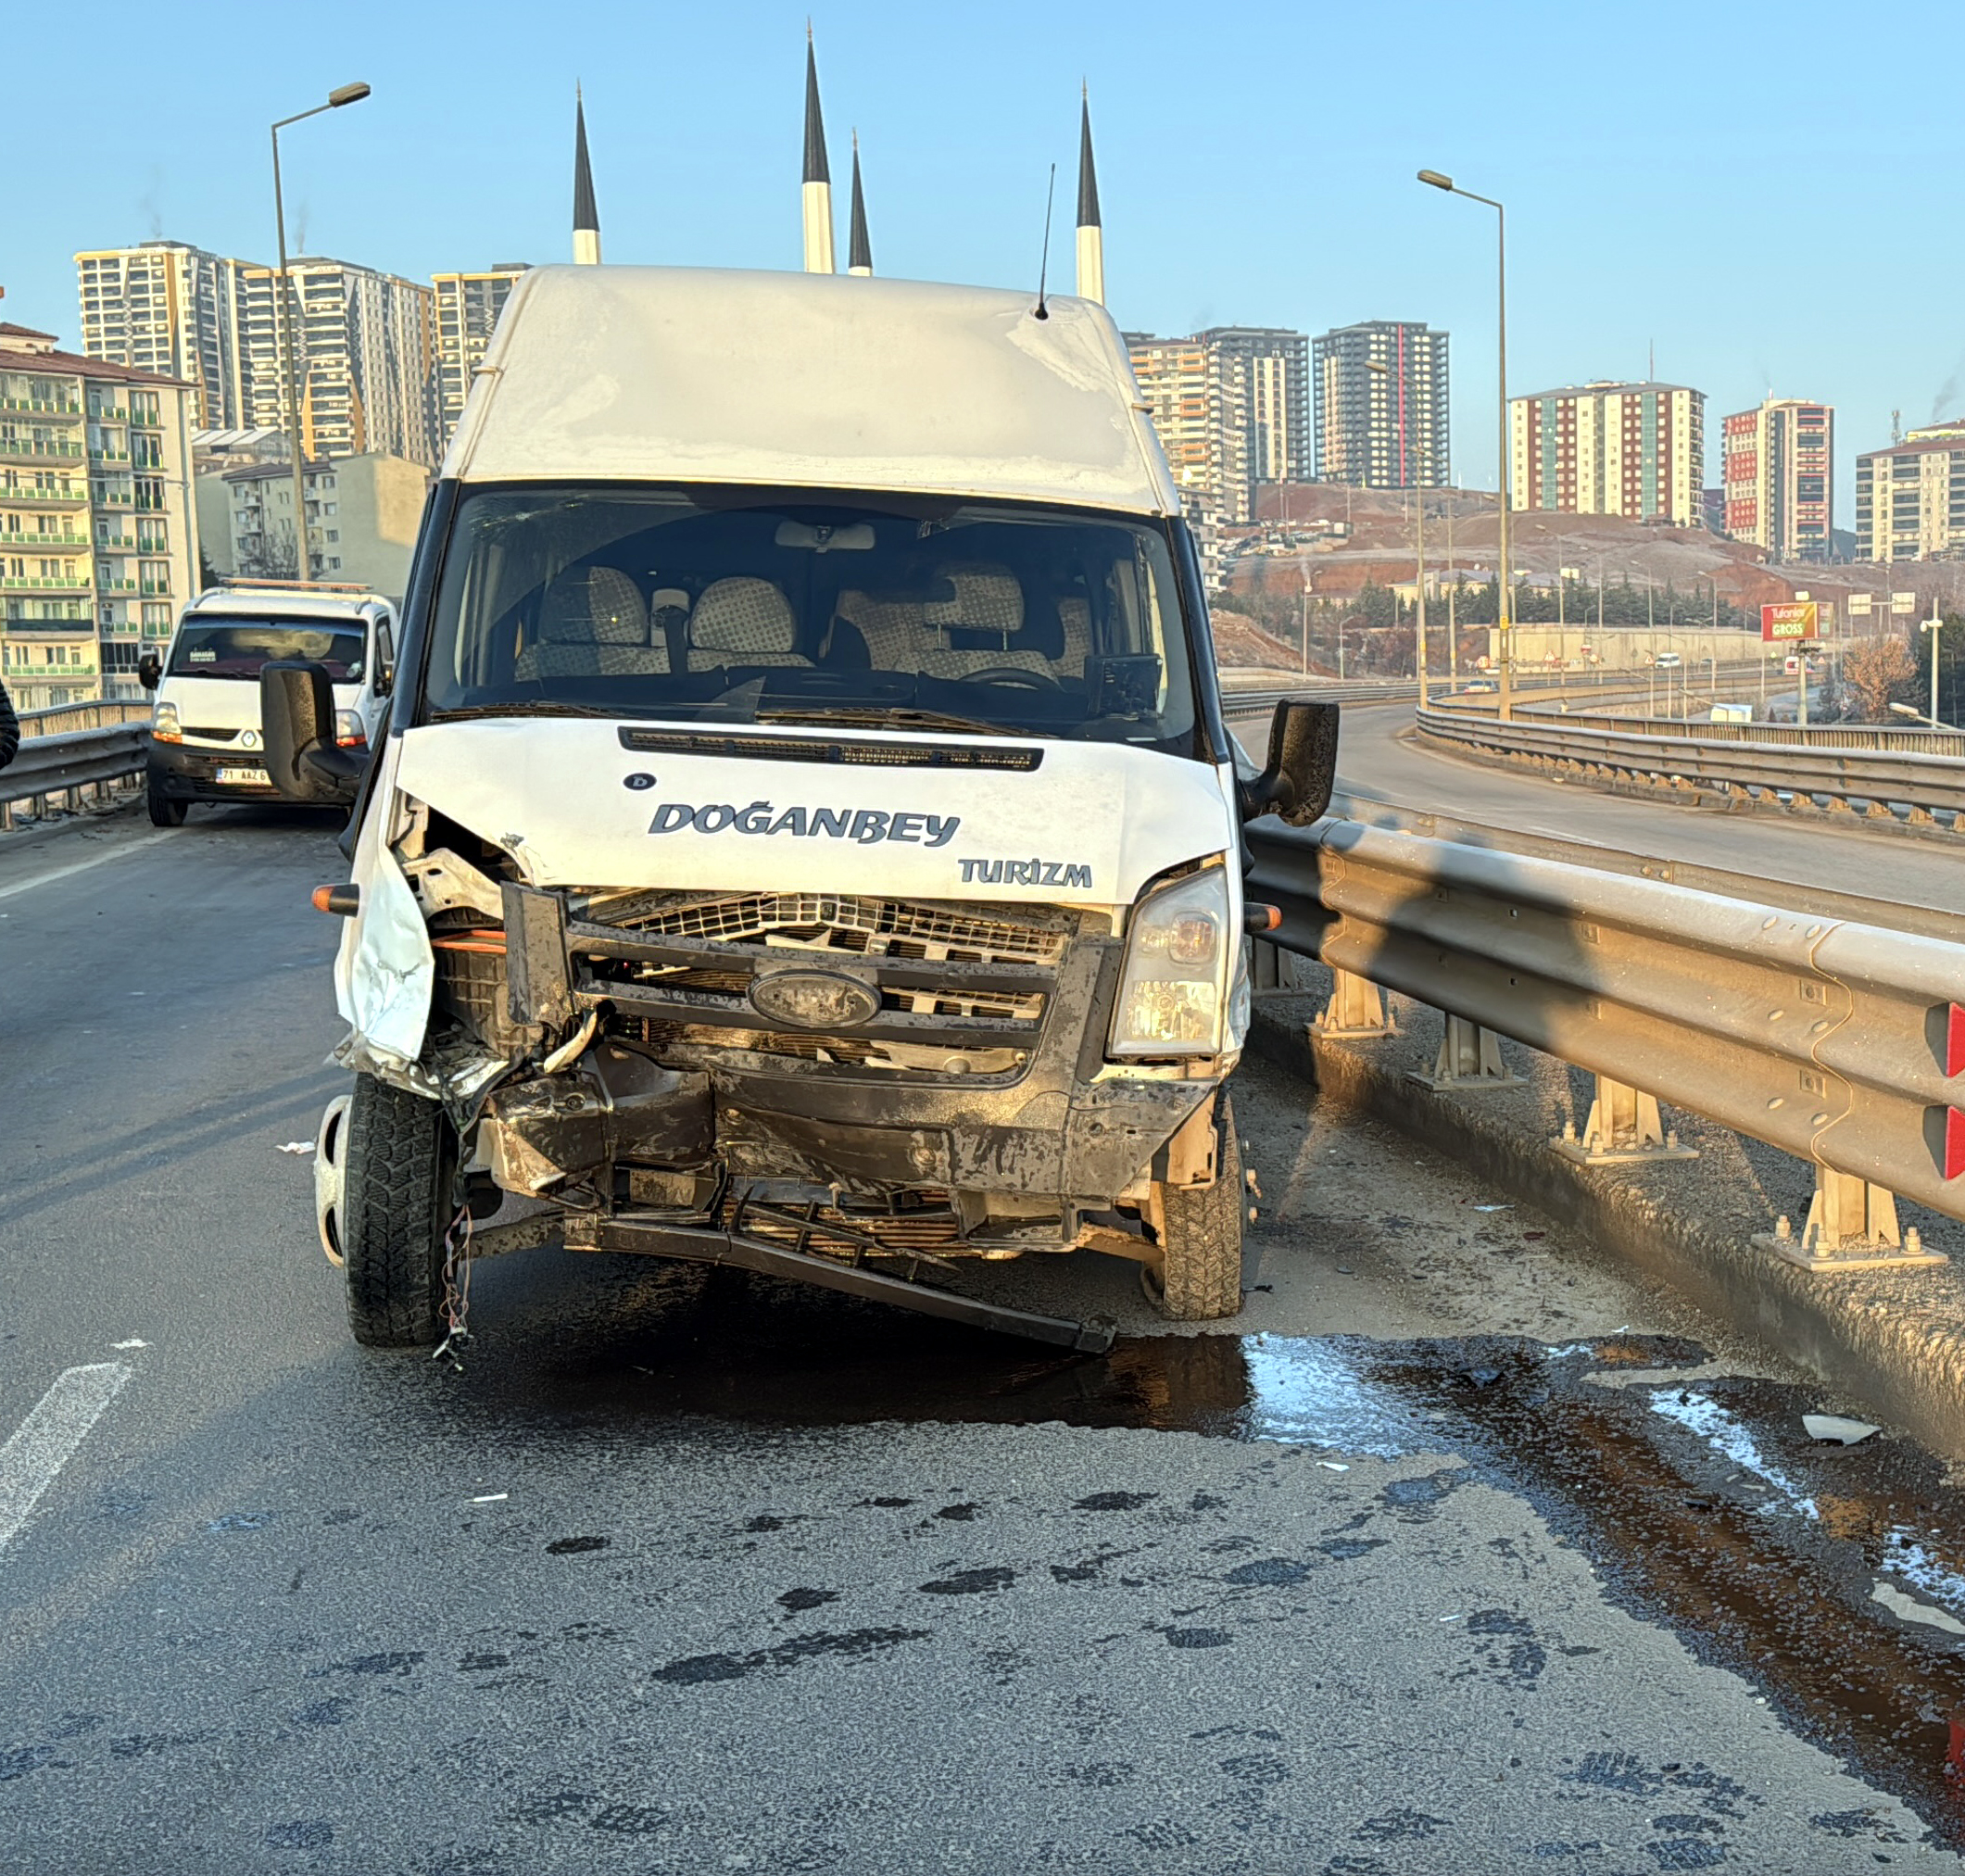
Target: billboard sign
1798, 619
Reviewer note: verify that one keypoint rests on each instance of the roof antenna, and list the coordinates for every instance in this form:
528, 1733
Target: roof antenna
1043, 266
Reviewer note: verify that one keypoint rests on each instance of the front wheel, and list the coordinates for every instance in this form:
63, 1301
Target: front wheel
396, 1155
1199, 1276
164, 812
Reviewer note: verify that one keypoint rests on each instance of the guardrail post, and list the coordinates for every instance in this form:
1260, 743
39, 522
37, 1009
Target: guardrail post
1272, 970
1355, 1010
1851, 1226
1469, 1058
1624, 1127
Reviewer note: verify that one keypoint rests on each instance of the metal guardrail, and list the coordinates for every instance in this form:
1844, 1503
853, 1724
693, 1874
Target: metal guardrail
1840, 1042
97, 714
67, 762
1862, 736
1789, 772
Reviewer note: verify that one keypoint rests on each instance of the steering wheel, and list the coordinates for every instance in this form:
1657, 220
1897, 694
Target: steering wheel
1012, 673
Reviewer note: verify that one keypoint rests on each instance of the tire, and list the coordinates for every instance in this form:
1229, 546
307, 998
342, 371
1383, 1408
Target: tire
1198, 1279
396, 1154
164, 812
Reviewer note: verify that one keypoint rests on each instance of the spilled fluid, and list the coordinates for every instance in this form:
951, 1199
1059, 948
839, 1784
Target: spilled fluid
1702, 1503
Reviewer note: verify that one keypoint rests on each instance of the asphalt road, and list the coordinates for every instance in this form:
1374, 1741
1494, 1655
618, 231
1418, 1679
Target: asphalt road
1454, 1553
1377, 762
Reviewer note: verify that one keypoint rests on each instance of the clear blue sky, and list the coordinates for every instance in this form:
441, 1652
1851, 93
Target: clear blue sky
1769, 192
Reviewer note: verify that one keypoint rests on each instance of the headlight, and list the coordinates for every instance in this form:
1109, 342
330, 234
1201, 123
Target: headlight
164, 724
1172, 998
349, 730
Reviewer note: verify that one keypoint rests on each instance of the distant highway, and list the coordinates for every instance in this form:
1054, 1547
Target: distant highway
1377, 762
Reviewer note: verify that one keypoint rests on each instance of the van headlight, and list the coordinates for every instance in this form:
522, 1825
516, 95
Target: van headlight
1173, 995
164, 724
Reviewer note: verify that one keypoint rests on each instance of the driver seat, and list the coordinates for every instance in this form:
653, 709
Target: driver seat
988, 614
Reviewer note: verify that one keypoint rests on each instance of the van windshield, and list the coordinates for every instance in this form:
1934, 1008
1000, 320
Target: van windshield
734, 604
237, 647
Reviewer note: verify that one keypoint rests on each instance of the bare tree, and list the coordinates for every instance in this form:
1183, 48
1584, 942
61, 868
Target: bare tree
1877, 672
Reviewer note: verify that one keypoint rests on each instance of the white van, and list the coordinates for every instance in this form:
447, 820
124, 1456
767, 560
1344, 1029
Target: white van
806, 837
206, 735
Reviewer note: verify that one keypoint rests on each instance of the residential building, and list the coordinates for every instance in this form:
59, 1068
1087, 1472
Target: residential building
363, 362
1778, 470
1268, 371
465, 314
1382, 405
365, 342
1636, 450
362, 514
215, 449
1911, 499
1196, 395
98, 537
171, 309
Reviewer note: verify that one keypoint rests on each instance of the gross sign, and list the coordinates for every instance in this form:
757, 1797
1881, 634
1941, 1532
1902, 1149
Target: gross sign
1798, 619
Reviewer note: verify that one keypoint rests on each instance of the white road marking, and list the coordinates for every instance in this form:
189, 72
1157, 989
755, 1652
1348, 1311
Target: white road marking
46, 1440
82, 865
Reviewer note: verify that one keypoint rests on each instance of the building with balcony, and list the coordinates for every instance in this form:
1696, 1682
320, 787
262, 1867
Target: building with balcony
363, 514
465, 314
169, 308
1779, 465
1636, 450
363, 358
98, 535
1911, 499
1196, 394
1382, 405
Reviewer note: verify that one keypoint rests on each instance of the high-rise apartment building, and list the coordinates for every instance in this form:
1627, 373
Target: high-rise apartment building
1911, 499
363, 358
1382, 418
98, 536
171, 308
466, 308
364, 354
1637, 451
1780, 477
1195, 394
1267, 369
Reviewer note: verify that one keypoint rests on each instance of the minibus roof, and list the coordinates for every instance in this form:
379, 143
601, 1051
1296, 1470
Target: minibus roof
810, 380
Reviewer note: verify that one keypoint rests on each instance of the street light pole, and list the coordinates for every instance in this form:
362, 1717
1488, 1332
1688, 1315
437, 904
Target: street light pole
288, 304
1935, 626
1504, 607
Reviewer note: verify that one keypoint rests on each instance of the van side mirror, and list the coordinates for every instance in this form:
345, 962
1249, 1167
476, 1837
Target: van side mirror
149, 671
1303, 765
296, 716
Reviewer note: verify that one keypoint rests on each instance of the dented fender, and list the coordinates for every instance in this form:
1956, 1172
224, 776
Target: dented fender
384, 972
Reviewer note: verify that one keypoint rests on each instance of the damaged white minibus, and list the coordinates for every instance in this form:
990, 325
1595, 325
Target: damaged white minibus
805, 837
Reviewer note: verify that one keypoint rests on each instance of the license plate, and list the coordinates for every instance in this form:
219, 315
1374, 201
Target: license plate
249, 777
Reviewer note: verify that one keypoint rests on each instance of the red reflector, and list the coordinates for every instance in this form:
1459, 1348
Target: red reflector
1954, 1143
1954, 1042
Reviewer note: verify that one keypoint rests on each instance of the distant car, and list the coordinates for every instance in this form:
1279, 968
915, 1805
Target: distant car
206, 735
1478, 684
1668, 661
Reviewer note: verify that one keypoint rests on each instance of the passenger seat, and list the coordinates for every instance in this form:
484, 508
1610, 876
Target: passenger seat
592, 624
743, 622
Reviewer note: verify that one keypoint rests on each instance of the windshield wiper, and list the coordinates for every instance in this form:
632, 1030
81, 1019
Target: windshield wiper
875, 716
522, 706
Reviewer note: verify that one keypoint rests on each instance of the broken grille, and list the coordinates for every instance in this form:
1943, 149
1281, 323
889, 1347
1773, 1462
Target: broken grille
691, 953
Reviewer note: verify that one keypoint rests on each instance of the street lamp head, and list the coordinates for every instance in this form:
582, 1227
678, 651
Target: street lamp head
347, 94
1433, 178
